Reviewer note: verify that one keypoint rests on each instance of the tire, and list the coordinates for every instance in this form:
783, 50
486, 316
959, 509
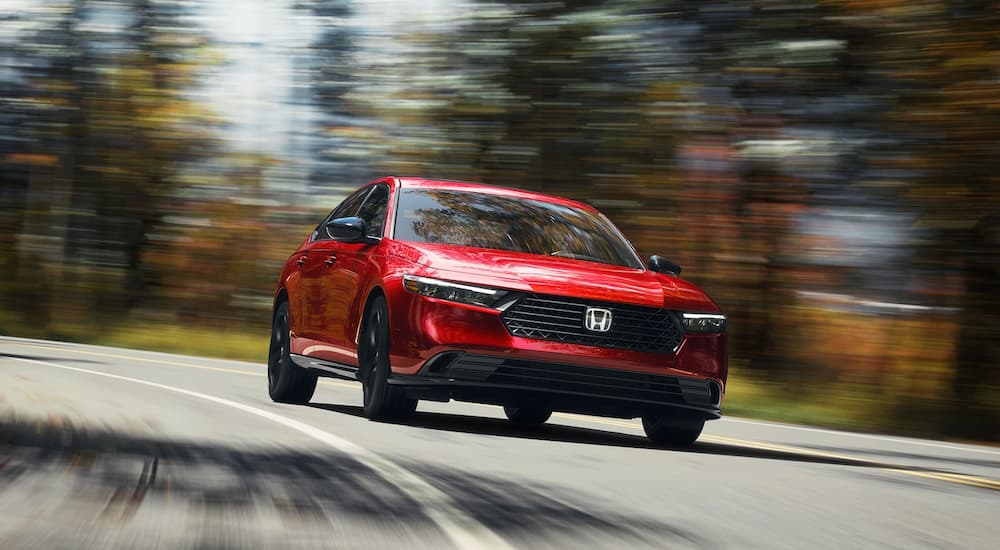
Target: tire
672, 430
527, 415
286, 381
381, 400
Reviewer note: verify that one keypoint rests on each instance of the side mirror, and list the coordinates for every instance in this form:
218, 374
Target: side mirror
349, 230
660, 264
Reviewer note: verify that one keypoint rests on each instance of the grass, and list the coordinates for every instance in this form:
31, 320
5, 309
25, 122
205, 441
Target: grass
750, 398
245, 345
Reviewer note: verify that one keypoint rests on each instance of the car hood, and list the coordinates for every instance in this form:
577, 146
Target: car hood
555, 276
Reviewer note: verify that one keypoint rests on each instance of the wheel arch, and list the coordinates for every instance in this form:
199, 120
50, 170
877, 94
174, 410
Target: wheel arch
280, 296
373, 292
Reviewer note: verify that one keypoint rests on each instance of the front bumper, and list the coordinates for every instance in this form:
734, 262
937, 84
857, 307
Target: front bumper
561, 386
444, 350
423, 328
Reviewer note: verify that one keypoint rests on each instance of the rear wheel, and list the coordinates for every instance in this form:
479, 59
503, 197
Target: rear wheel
381, 400
527, 415
672, 430
286, 382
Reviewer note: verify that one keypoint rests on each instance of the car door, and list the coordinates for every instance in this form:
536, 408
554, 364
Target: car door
313, 263
350, 268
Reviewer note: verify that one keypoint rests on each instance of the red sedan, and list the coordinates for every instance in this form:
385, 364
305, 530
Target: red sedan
441, 290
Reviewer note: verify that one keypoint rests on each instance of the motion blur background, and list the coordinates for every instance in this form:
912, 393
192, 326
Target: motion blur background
828, 170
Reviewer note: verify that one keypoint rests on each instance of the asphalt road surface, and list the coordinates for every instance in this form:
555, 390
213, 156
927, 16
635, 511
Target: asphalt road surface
112, 448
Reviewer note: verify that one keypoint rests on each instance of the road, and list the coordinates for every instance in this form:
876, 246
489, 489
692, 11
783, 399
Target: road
113, 448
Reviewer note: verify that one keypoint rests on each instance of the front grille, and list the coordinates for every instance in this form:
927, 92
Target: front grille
561, 319
581, 380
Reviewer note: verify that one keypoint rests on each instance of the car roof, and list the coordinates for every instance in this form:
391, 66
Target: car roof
472, 187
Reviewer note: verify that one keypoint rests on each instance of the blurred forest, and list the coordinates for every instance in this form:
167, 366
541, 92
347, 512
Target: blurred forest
828, 170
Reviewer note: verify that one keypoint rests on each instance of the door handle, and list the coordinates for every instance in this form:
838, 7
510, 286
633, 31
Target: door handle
301, 260
329, 261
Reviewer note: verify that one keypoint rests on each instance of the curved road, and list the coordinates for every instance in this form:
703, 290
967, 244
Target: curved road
113, 448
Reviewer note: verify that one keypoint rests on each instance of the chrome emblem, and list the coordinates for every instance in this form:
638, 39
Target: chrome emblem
597, 319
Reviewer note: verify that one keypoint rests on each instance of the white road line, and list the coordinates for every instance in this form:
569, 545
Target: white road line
463, 530
123, 353
875, 437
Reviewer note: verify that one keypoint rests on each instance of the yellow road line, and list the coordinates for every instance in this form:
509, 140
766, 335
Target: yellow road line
962, 479
981, 482
598, 420
781, 448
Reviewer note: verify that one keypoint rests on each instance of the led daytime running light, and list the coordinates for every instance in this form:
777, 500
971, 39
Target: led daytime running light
453, 292
704, 322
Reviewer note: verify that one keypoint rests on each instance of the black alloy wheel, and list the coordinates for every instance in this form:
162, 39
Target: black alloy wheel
381, 400
286, 382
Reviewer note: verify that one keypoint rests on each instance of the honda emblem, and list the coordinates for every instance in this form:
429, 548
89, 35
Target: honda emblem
597, 319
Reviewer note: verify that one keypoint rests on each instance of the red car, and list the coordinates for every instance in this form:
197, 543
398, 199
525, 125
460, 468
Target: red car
443, 290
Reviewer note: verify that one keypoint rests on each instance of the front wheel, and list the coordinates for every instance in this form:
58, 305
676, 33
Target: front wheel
672, 430
381, 401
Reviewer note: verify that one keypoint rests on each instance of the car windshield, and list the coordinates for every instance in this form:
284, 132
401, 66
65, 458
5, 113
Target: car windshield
510, 223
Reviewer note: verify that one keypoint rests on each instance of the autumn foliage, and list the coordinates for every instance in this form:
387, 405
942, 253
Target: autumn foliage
827, 169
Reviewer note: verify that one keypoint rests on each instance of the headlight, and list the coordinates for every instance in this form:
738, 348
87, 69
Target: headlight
704, 322
454, 292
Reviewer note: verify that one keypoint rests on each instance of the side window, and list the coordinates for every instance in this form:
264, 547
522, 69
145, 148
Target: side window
347, 208
374, 209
